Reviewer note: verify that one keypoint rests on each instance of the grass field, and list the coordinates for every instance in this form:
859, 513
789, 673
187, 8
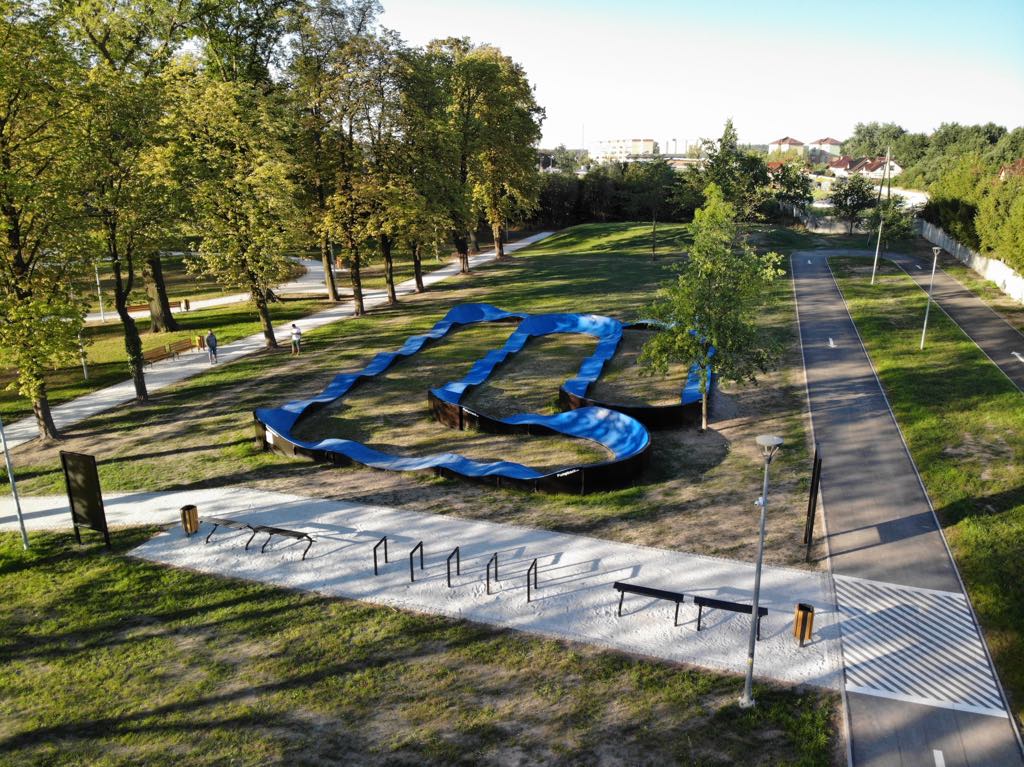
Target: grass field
696, 495
107, 359
964, 424
107, 660
120, 661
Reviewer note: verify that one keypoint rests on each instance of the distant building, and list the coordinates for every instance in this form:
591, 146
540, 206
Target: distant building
824, 149
1015, 168
624, 149
787, 144
869, 167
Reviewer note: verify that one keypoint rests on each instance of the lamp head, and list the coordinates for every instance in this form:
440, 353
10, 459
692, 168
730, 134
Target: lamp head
769, 444
936, 250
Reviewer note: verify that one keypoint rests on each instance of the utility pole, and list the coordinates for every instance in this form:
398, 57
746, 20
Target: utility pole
881, 218
927, 309
14, 487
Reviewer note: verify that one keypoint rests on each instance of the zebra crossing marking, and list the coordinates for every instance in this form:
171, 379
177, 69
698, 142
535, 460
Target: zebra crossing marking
915, 645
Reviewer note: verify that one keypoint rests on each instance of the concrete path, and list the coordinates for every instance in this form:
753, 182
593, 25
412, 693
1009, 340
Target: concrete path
574, 599
918, 679
163, 374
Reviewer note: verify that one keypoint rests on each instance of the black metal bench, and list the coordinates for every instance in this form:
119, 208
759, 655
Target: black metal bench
280, 531
647, 591
233, 524
736, 607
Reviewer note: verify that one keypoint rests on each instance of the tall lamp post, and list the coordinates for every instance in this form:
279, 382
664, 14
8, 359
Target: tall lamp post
928, 308
769, 445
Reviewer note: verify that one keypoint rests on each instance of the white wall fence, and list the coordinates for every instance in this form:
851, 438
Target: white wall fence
1005, 278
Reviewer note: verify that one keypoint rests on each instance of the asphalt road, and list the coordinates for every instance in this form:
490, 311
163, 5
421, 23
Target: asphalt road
881, 528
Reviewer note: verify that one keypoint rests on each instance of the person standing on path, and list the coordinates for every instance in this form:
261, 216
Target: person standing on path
211, 347
296, 339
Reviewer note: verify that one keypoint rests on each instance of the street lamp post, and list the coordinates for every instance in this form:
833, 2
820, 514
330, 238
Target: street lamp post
935, 263
769, 445
14, 487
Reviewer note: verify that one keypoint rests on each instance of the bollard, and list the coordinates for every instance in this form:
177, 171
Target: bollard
189, 520
803, 622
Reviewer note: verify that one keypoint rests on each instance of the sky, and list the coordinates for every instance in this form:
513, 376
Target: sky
677, 69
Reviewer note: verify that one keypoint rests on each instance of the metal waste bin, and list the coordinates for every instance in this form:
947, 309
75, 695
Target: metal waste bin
803, 622
190, 519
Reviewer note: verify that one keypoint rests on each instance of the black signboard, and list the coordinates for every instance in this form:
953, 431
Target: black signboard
84, 495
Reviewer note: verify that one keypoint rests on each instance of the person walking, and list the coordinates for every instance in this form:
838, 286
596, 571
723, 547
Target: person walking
211, 347
296, 339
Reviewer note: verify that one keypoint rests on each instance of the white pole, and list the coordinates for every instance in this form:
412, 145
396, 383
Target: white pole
14, 487
99, 293
878, 245
935, 262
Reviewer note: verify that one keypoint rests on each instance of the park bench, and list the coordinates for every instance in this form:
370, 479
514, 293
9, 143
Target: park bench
182, 305
235, 524
647, 591
280, 531
721, 604
168, 351
232, 524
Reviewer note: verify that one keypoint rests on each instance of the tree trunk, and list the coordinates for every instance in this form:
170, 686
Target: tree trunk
705, 386
160, 318
654, 236
358, 308
417, 267
44, 418
325, 258
389, 269
474, 241
462, 246
259, 297
132, 342
499, 242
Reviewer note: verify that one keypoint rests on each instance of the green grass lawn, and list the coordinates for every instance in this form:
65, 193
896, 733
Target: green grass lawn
107, 360
108, 660
964, 424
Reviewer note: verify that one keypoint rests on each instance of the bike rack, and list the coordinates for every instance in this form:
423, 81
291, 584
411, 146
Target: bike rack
383, 540
412, 573
493, 559
458, 564
533, 569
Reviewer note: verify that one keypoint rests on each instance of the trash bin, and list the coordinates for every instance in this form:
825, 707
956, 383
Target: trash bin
803, 622
190, 519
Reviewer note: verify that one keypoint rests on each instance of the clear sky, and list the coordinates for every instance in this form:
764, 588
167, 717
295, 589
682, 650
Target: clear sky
665, 69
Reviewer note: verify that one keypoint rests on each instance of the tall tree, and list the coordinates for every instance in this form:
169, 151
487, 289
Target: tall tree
229, 149
710, 309
128, 44
741, 176
323, 31
40, 318
850, 197
503, 170
648, 186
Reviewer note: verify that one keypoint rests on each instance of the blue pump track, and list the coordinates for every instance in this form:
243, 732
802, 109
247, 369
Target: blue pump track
622, 434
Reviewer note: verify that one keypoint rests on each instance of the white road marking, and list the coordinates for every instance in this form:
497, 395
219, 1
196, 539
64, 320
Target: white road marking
831, 343
808, 260
940, 760
1017, 355
918, 266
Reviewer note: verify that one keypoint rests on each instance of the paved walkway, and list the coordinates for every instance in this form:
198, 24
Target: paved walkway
163, 374
575, 599
996, 337
918, 677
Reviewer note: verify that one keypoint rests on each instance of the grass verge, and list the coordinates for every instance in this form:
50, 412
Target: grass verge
964, 424
106, 660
